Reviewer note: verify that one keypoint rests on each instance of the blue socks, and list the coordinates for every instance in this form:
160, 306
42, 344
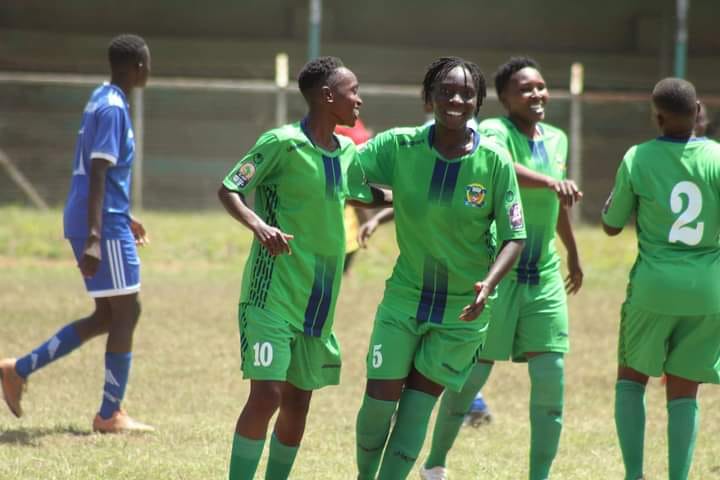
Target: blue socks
117, 369
63, 342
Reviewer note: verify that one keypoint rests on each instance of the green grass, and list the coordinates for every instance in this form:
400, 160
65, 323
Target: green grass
186, 380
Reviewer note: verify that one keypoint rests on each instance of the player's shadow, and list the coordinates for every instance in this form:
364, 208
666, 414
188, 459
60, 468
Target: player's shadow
29, 436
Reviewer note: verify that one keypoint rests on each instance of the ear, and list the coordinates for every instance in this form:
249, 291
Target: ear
326, 94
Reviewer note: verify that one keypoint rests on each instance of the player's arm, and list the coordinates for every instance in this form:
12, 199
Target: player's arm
506, 258
574, 280
90, 260
566, 190
622, 201
381, 197
368, 228
272, 238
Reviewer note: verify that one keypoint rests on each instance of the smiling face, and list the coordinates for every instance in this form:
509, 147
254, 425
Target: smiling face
525, 96
342, 95
454, 99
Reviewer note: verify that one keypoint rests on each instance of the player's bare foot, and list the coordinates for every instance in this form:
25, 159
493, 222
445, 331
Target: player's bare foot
120, 422
12, 385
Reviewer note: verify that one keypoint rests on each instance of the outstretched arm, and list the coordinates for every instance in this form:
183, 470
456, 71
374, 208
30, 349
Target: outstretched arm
566, 190
506, 258
574, 279
275, 240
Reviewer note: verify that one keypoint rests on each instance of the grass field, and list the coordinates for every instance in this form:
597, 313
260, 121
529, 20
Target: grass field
186, 380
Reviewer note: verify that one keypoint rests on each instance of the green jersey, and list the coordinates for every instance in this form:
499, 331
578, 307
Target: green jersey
300, 189
674, 189
546, 155
443, 212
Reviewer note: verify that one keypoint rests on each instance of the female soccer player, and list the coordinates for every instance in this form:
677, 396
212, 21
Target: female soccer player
670, 321
302, 174
530, 321
448, 187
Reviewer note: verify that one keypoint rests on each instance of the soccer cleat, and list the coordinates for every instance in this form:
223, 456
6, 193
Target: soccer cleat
435, 473
12, 385
120, 422
479, 413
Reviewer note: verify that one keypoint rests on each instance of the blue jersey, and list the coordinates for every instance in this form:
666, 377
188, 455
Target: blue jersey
106, 133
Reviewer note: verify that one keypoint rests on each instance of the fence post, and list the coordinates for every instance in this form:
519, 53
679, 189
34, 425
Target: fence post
138, 108
281, 82
575, 167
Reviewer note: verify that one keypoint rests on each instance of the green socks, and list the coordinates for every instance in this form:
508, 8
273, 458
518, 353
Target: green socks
372, 428
280, 461
408, 434
245, 457
682, 431
630, 425
546, 406
451, 414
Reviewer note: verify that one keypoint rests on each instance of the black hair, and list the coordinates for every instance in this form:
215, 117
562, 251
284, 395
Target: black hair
510, 68
126, 49
316, 72
675, 95
440, 68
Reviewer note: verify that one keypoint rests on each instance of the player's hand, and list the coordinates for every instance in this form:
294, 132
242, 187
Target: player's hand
574, 280
275, 240
90, 260
138, 231
366, 231
472, 311
567, 191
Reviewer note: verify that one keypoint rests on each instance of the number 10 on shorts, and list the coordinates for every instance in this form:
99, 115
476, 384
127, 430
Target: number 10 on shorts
377, 358
263, 354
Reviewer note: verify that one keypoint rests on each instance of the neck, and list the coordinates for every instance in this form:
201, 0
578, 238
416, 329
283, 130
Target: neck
123, 83
529, 129
321, 129
447, 139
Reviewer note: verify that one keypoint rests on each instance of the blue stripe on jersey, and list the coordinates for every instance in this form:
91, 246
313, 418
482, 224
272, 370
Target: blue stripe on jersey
451, 176
437, 179
527, 269
320, 296
539, 153
333, 179
433, 297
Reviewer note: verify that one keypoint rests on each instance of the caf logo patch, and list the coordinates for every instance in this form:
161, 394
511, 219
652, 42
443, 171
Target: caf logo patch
244, 174
475, 195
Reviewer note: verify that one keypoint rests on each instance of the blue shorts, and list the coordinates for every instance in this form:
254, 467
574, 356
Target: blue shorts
119, 270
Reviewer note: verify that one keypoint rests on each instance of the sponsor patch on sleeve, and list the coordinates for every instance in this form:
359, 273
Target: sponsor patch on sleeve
515, 215
244, 174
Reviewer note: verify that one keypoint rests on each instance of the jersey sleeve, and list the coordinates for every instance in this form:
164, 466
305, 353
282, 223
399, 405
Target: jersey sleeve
489, 131
377, 159
256, 167
622, 200
108, 133
356, 183
508, 211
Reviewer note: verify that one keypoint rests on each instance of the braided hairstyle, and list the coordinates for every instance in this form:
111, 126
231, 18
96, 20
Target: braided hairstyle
440, 68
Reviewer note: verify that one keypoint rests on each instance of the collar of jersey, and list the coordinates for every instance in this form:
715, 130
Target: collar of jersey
431, 146
665, 138
118, 90
306, 132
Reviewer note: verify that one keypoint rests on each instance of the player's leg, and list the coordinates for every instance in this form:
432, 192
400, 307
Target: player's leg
251, 428
265, 351
408, 434
392, 346
288, 431
542, 339
630, 419
683, 420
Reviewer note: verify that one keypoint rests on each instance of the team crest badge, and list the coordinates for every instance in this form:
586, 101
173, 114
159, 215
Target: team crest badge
244, 174
475, 195
515, 215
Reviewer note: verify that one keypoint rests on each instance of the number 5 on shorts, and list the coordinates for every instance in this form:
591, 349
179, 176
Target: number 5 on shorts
263, 354
377, 358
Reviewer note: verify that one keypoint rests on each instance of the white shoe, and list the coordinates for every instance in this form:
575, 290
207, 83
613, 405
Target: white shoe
435, 473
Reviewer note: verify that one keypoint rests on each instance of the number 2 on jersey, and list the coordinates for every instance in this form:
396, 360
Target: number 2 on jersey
680, 231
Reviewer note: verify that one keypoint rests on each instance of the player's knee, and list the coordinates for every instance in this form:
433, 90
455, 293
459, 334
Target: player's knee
265, 398
547, 374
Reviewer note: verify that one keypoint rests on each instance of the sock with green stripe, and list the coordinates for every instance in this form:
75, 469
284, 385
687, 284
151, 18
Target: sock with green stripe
245, 457
683, 417
630, 425
546, 407
453, 407
281, 460
372, 428
408, 434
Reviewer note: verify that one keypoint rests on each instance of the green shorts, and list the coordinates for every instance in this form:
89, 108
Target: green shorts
527, 318
443, 353
272, 349
684, 346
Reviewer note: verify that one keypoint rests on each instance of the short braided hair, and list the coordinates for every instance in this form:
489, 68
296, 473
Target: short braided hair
440, 68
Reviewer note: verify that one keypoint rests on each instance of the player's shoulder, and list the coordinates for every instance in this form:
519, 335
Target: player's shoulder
106, 97
551, 132
499, 124
490, 147
408, 136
